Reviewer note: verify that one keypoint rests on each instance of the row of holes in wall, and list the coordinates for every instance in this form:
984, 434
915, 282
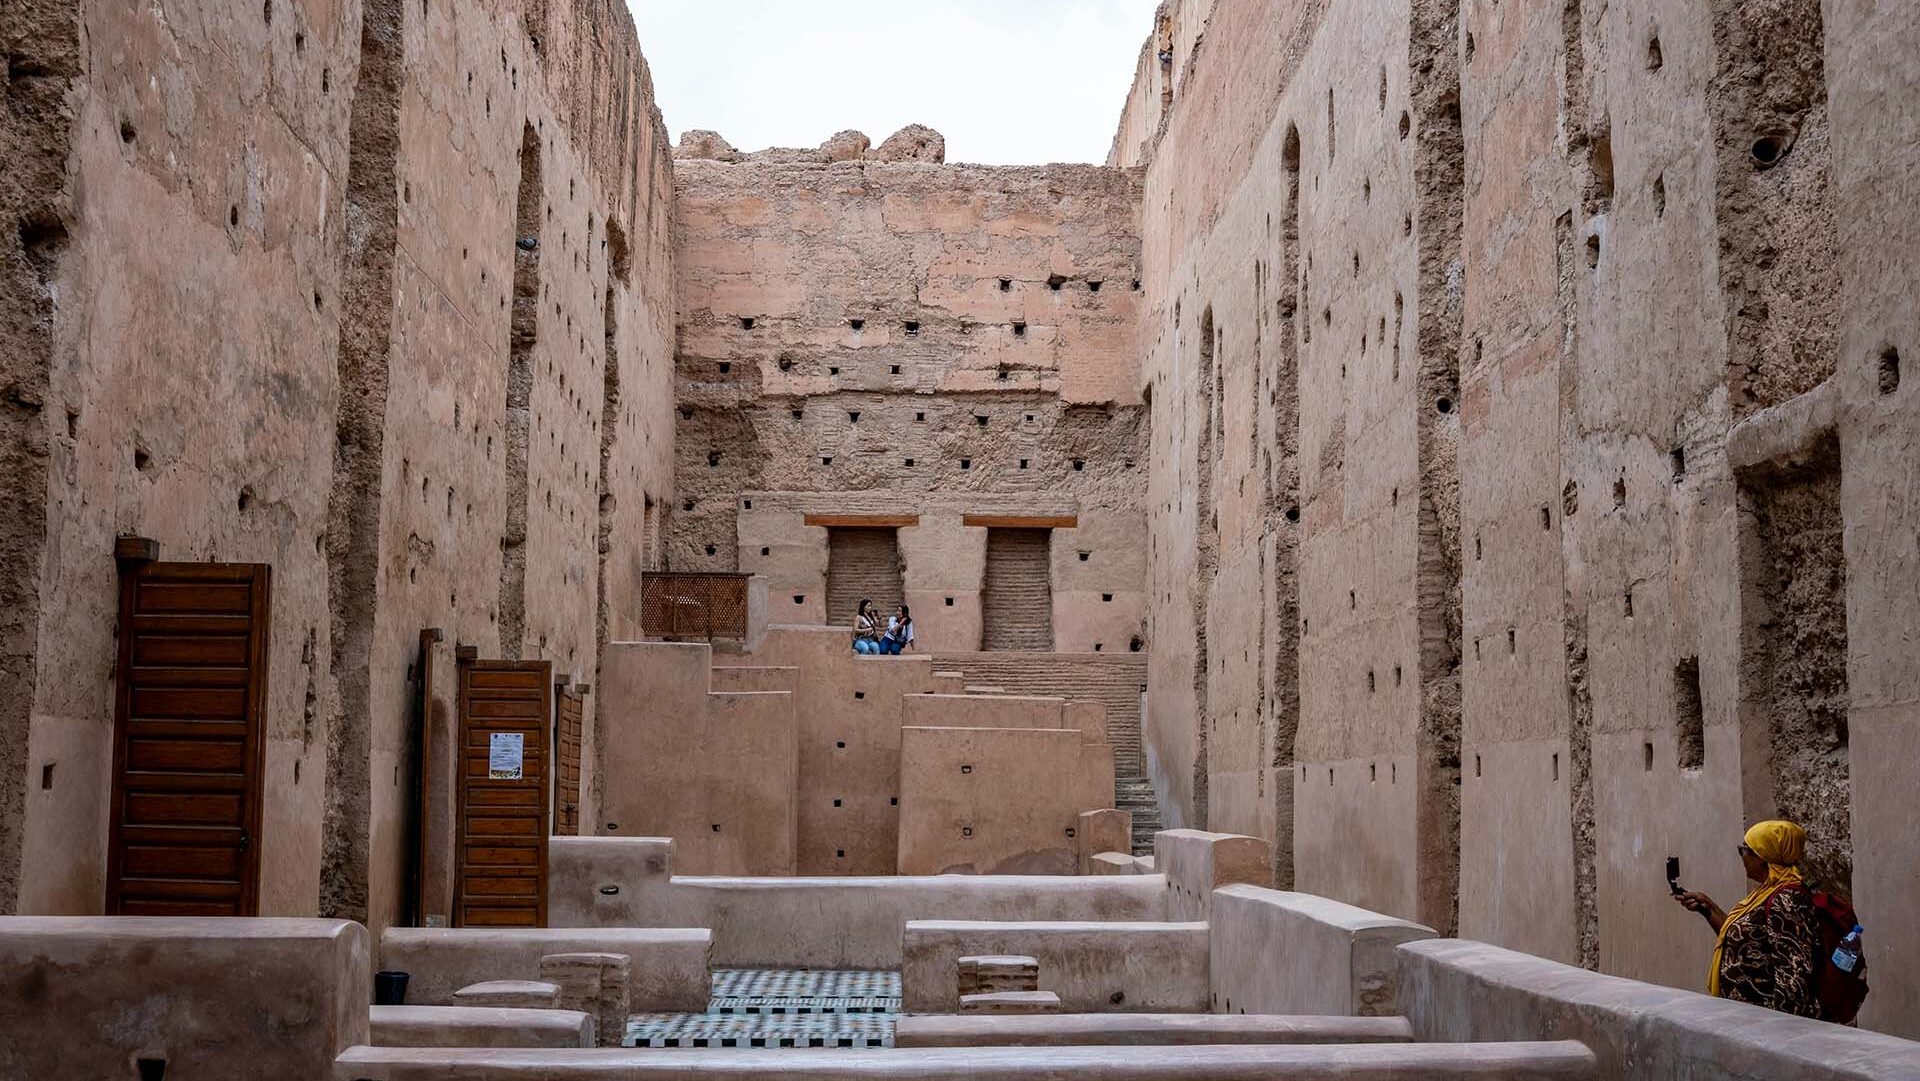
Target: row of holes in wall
911, 327
1079, 465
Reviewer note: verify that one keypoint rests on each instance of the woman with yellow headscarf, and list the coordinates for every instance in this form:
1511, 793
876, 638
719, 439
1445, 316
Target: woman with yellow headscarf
1769, 942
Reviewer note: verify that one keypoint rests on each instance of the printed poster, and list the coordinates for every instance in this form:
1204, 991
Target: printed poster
506, 752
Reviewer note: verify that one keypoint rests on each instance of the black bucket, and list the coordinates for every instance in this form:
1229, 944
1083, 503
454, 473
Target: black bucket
389, 988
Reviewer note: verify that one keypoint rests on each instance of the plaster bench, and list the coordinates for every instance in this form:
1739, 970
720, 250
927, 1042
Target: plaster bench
1094, 966
1011, 1002
474, 1026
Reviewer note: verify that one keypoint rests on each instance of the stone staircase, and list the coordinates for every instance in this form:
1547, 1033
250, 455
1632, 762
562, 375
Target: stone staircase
1114, 680
1135, 795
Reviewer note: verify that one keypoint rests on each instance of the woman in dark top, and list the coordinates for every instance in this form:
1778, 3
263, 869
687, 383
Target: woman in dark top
1769, 943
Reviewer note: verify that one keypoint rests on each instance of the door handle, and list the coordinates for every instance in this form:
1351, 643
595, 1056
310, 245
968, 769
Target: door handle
246, 840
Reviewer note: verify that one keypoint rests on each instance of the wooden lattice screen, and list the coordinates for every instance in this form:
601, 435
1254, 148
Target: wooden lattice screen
691, 605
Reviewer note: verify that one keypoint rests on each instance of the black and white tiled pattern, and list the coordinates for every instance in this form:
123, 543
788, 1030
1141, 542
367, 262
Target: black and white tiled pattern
781, 1008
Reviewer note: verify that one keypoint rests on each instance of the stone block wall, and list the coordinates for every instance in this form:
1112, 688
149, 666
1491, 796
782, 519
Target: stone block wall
1526, 387
378, 293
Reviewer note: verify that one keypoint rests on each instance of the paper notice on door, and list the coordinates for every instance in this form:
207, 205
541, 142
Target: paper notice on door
506, 751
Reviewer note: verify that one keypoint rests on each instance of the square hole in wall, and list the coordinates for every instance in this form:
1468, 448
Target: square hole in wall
980, 419
1006, 285
1019, 330
1106, 598
966, 463
766, 551
893, 801
840, 853
841, 744
1079, 465
860, 696
799, 598
826, 459
746, 504
1084, 556
836, 803
1023, 463
949, 602
912, 328
833, 371
893, 369
857, 324
909, 463
746, 322
726, 366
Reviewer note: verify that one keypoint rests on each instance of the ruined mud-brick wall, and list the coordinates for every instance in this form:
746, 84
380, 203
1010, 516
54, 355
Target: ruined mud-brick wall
378, 294
909, 338
1580, 466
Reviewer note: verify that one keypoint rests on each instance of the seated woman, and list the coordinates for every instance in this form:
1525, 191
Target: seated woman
866, 629
899, 632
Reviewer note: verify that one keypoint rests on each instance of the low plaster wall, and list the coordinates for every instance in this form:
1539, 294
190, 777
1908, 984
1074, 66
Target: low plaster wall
849, 922
476, 1026
847, 719
1565, 1061
1119, 967
996, 800
716, 769
1453, 989
1141, 1030
213, 998
1197, 862
669, 964
1294, 953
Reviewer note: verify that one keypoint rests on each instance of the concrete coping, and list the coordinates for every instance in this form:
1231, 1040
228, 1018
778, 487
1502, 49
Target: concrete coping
1564, 1060
1450, 985
1327, 912
998, 960
536, 994
1143, 1029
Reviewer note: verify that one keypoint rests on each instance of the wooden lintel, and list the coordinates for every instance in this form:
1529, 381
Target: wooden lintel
863, 521
1023, 521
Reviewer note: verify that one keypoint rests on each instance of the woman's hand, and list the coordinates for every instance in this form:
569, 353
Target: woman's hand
1701, 903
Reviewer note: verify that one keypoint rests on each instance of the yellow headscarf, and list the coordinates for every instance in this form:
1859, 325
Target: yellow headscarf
1781, 844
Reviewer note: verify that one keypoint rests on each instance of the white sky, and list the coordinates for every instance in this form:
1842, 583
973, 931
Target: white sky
1008, 82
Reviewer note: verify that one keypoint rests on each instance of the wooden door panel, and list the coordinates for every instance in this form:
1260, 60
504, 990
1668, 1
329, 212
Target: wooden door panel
570, 707
189, 739
501, 825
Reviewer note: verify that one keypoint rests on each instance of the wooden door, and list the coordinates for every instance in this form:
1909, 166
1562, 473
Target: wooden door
505, 710
189, 740
566, 760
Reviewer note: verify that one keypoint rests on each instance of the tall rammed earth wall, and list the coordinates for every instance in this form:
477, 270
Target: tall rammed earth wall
1531, 494
919, 340
376, 292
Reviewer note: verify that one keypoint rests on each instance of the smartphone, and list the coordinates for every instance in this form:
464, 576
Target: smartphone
1673, 875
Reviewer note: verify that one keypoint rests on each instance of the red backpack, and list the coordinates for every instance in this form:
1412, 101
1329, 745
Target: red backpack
1838, 991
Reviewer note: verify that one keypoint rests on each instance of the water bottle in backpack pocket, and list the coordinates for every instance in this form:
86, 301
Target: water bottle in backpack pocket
1840, 968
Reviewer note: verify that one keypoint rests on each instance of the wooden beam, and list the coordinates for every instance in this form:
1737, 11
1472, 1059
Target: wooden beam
863, 521
1023, 521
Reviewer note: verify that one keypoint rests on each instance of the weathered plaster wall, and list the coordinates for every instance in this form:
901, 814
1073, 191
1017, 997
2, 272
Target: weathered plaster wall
909, 338
1588, 369
265, 287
